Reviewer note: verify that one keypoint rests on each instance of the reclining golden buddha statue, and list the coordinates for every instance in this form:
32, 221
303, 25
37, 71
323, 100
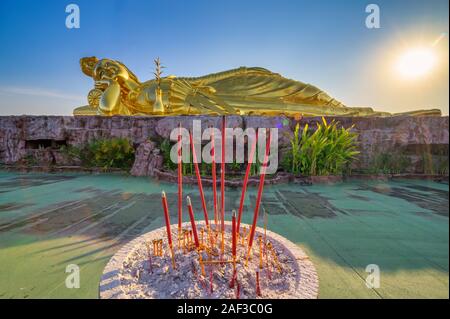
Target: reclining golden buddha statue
242, 91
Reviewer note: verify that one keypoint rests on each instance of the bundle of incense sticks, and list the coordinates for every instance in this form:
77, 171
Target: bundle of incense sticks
265, 249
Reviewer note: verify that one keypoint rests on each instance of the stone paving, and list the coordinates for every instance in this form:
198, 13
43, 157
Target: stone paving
49, 221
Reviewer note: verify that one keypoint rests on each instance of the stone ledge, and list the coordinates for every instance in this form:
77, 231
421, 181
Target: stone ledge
281, 177
172, 177
63, 169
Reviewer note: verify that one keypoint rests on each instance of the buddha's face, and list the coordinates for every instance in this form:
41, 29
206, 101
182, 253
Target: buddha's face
106, 69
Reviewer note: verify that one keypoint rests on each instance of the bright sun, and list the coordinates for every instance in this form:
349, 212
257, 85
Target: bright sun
416, 63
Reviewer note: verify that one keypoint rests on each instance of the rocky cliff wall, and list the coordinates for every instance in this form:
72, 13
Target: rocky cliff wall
419, 139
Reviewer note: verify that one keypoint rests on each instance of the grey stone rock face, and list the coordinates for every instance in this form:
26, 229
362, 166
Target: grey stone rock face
147, 159
411, 136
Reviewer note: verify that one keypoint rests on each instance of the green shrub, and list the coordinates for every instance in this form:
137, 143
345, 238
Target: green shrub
188, 168
165, 148
104, 153
442, 165
235, 166
434, 164
29, 160
291, 161
390, 163
108, 153
328, 150
72, 152
254, 169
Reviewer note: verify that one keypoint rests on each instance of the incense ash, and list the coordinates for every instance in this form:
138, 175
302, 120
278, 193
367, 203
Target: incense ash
144, 276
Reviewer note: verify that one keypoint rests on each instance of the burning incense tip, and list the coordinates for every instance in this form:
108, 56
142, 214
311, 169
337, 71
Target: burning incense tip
163, 194
233, 213
188, 200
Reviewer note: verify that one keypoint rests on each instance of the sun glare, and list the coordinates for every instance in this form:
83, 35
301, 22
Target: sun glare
416, 63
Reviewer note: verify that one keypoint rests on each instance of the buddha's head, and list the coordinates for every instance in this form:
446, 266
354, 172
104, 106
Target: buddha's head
87, 65
106, 69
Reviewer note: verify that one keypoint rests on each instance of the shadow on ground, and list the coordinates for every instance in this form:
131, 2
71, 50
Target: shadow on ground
50, 221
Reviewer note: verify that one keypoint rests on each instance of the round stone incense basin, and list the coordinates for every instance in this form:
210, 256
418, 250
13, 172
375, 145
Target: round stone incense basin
141, 270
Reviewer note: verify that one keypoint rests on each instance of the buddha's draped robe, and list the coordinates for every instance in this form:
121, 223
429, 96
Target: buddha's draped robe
242, 91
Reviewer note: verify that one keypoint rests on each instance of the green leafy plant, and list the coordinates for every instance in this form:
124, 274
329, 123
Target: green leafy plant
104, 153
256, 165
434, 164
327, 151
206, 168
29, 160
72, 152
235, 166
165, 148
111, 153
390, 163
291, 162
187, 168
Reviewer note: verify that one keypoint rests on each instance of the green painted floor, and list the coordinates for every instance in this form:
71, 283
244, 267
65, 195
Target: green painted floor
48, 221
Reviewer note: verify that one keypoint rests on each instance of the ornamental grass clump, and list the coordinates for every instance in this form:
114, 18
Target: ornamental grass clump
328, 150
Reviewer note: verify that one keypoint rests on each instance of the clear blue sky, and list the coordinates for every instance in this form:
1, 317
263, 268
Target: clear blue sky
324, 43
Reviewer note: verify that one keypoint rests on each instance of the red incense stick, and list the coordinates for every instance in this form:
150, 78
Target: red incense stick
213, 172
149, 253
244, 185
222, 185
222, 178
258, 287
211, 281
191, 216
199, 180
258, 199
180, 182
167, 219
233, 278
233, 234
